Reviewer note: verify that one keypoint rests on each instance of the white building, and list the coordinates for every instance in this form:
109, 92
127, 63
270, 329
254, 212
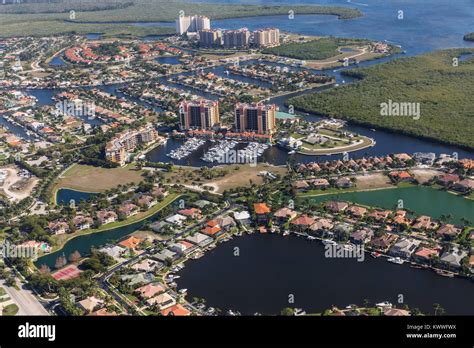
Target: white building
192, 24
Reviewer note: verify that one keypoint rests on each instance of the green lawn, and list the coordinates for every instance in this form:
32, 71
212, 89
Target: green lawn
10, 310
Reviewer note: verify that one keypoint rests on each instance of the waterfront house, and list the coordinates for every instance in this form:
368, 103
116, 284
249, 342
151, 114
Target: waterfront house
128, 209
302, 222
395, 312
191, 213
301, 185
320, 184
424, 157
82, 222
159, 192
383, 242
202, 203
162, 301
342, 231
321, 226
161, 227
356, 211
404, 247
212, 229
424, 223
452, 259
176, 219
182, 247
335, 206
361, 236
447, 180
284, 215
243, 217
176, 310
448, 231
114, 251
137, 278
106, 217
90, 304
226, 223
463, 186
400, 221
199, 239
262, 211
425, 255
58, 227
131, 243
147, 265
149, 290
379, 215
402, 176
146, 202
164, 255
344, 183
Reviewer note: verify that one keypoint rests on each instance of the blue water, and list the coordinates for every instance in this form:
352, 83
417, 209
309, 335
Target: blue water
64, 196
168, 60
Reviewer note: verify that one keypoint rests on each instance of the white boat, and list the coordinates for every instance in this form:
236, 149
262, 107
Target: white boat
291, 152
183, 291
329, 242
311, 238
396, 260
384, 304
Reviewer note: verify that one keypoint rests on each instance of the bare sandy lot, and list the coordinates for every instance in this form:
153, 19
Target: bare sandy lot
372, 181
424, 175
15, 187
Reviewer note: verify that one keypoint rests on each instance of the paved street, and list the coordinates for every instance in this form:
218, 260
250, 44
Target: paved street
27, 303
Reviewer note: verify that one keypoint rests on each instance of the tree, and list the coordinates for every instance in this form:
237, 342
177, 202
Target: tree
45, 269
74, 257
60, 262
438, 309
287, 311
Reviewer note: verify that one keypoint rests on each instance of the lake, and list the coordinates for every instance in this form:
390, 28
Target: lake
270, 268
420, 199
64, 196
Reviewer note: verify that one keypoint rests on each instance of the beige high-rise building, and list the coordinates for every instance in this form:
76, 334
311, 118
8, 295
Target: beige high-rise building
201, 114
192, 24
257, 117
266, 37
210, 38
236, 38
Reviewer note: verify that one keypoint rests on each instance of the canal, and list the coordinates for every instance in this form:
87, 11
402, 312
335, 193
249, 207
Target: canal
271, 269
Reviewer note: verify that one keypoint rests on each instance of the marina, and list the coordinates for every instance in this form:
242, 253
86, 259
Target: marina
186, 149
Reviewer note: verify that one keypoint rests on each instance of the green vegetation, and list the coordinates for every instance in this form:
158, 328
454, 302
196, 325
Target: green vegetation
443, 90
50, 19
315, 49
469, 37
11, 309
2, 292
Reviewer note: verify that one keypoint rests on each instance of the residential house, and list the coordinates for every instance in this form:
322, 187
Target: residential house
425, 255
106, 217
58, 227
379, 215
149, 290
344, 182
159, 192
147, 265
128, 209
199, 239
146, 202
202, 203
82, 222
161, 227
114, 251
361, 236
302, 222
466, 185
243, 217
90, 304
212, 229
321, 226
336, 207
284, 215
403, 176
383, 242
395, 312
191, 213
131, 242
162, 301
301, 185
176, 219
448, 231
356, 211
424, 223
404, 248
176, 310
164, 255
320, 184
182, 247
447, 180
342, 230
262, 211
137, 278
452, 259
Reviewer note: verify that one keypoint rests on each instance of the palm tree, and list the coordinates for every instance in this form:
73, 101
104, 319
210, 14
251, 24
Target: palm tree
438, 309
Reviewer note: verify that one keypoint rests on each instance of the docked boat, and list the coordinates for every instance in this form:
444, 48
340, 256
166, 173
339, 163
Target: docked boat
329, 242
445, 273
375, 254
384, 304
396, 260
310, 238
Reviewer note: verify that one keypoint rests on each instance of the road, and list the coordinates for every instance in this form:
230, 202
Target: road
27, 303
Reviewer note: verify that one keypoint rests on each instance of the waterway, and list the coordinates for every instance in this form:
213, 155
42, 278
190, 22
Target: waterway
271, 268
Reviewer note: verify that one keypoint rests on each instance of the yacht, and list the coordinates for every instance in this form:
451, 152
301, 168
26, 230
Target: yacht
396, 260
384, 304
329, 242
